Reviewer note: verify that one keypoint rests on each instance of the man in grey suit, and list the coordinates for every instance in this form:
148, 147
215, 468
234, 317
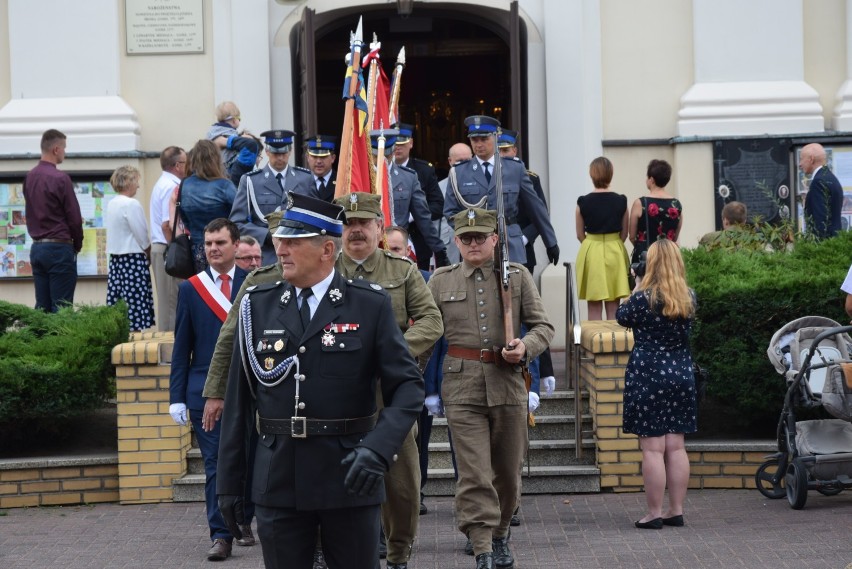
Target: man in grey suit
409, 200
263, 191
474, 180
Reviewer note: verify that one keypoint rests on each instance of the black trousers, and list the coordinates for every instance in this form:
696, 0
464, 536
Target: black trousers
288, 537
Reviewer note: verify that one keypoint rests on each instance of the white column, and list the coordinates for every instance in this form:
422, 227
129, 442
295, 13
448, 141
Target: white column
749, 71
65, 74
842, 119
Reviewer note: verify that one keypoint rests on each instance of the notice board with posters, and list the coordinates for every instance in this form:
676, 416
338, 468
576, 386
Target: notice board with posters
93, 192
838, 160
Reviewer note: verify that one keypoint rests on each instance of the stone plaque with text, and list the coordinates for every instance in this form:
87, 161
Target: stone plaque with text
164, 26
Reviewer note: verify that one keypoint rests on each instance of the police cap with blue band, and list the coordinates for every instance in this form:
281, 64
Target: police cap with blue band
309, 217
278, 141
481, 125
507, 139
321, 145
406, 133
390, 135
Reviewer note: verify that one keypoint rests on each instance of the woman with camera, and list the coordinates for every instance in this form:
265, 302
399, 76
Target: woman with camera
601, 222
659, 386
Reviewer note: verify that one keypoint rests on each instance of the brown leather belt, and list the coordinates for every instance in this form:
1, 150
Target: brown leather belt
302, 426
488, 356
66, 241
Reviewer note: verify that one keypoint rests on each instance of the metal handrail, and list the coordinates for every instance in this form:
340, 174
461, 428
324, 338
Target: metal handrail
572, 353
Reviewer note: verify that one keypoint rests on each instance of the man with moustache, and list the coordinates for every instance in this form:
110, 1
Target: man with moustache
362, 260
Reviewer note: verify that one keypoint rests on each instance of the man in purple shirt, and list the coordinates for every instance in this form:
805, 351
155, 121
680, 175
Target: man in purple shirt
55, 224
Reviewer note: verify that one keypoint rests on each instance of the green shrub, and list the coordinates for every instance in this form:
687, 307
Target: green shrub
744, 297
55, 367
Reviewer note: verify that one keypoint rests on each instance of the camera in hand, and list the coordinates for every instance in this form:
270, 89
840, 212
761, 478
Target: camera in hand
638, 268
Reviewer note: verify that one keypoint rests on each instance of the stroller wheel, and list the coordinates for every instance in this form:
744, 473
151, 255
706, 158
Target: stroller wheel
797, 485
763, 479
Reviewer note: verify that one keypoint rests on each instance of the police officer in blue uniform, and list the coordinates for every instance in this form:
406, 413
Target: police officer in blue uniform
320, 157
309, 354
474, 179
428, 181
263, 191
409, 199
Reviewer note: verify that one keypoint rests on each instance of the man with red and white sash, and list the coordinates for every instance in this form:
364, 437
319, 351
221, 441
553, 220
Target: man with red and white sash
202, 305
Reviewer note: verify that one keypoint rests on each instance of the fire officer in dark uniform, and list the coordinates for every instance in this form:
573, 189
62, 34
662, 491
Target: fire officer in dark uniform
309, 354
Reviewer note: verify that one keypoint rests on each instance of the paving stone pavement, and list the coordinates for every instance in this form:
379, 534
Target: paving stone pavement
725, 529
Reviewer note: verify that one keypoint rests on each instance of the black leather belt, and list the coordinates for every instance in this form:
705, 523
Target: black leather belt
66, 241
302, 426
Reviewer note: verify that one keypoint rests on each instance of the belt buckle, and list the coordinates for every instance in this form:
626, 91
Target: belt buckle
303, 423
482, 355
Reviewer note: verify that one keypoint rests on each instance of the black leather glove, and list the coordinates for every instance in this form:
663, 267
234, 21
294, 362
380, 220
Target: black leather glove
441, 259
553, 254
232, 510
366, 471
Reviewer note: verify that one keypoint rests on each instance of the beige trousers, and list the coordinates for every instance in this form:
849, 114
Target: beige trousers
167, 289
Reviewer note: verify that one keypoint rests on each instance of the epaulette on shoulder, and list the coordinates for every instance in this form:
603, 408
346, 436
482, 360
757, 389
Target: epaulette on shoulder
301, 169
365, 285
263, 286
395, 257
460, 162
447, 269
408, 169
255, 172
532, 174
424, 162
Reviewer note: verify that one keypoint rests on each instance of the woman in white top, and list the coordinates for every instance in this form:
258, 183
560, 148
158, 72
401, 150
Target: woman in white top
129, 250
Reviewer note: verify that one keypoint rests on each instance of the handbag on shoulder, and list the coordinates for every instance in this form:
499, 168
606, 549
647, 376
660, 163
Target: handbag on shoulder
178, 258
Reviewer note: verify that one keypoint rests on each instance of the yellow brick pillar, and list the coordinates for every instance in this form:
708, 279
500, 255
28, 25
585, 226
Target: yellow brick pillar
605, 349
151, 447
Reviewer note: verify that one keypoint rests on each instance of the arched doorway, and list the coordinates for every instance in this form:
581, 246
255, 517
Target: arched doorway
460, 60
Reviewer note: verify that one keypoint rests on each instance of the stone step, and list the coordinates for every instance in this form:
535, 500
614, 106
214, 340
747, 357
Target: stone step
562, 403
194, 461
542, 453
554, 427
188, 488
543, 480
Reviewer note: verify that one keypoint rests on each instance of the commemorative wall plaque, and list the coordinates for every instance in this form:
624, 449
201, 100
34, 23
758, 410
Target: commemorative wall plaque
164, 26
755, 172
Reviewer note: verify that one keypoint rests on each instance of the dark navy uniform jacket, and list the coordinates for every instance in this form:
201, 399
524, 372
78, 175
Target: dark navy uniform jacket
408, 197
341, 365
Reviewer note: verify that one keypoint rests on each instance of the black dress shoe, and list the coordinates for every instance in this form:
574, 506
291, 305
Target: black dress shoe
468, 547
656, 523
397, 565
248, 537
676, 521
515, 521
423, 508
220, 551
502, 554
485, 561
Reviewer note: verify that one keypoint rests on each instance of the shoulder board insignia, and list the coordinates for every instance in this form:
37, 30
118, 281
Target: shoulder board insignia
418, 160
532, 174
395, 257
463, 162
255, 172
365, 285
408, 169
442, 270
301, 169
515, 158
264, 286
251, 288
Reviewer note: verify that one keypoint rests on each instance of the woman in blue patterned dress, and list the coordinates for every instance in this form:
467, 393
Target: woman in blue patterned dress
659, 387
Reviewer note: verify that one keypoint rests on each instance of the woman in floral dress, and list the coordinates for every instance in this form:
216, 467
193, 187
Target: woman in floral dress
657, 216
659, 385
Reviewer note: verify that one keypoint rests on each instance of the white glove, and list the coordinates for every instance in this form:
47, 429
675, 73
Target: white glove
549, 384
534, 401
433, 404
178, 413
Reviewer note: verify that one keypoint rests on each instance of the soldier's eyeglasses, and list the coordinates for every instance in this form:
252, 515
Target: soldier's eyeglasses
478, 237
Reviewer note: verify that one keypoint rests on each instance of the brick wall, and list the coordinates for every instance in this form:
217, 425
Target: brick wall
151, 447
605, 349
58, 481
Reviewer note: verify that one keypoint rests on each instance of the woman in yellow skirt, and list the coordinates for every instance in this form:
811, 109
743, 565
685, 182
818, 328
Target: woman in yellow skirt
602, 263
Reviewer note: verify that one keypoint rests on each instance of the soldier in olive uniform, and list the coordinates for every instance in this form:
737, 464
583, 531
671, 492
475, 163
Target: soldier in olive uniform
483, 390
309, 355
409, 199
361, 260
263, 191
474, 180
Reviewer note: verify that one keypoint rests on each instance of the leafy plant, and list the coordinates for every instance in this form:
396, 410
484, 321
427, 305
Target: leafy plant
56, 367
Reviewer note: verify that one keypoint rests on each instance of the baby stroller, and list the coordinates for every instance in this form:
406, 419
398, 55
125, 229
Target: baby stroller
813, 355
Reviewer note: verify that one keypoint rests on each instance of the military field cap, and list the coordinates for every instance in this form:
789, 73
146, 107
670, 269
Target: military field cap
363, 205
406, 133
481, 125
507, 139
475, 220
308, 217
278, 141
390, 135
321, 145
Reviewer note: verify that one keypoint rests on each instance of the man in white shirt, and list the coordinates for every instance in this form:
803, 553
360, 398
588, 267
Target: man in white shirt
173, 163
